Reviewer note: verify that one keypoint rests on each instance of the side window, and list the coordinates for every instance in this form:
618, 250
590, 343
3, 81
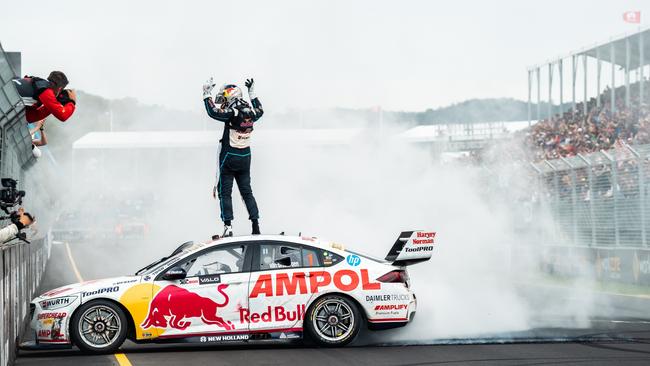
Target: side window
274, 256
218, 261
330, 259
310, 257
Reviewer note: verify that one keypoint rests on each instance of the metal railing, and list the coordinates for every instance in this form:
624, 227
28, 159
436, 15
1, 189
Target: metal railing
599, 199
21, 266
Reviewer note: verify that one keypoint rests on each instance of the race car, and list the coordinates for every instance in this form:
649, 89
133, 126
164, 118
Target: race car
263, 287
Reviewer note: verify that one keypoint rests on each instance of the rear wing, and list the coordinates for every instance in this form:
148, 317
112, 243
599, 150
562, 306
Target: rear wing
411, 247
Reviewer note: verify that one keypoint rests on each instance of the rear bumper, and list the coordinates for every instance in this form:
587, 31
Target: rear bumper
394, 322
390, 323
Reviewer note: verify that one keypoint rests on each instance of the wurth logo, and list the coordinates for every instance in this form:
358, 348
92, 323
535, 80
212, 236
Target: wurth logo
296, 282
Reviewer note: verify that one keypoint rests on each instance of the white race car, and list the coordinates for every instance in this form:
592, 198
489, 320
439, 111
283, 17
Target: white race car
262, 287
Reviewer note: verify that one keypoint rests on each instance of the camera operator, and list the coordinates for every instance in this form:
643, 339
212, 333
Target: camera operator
19, 220
43, 97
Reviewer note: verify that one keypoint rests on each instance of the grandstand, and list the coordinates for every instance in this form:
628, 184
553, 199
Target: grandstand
592, 162
628, 52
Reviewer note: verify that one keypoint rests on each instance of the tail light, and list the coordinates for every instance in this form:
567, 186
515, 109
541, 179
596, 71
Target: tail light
397, 276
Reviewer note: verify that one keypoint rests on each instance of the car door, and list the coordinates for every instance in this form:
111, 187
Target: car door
280, 285
208, 300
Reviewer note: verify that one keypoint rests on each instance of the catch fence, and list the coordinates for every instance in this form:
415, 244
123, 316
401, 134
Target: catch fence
599, 200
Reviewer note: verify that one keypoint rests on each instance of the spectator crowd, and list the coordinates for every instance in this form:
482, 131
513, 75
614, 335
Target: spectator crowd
575, 132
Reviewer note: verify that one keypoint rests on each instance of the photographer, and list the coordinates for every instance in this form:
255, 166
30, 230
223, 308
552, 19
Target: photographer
19, 220
43, 97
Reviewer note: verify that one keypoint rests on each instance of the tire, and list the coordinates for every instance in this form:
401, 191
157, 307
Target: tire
333, 321
89, 320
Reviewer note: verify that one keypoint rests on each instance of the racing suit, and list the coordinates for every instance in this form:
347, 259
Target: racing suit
235, 156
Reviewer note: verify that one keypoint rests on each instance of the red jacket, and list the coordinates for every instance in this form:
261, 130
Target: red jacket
49, 105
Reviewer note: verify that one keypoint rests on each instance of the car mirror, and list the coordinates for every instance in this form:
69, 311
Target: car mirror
176, 273
286, 261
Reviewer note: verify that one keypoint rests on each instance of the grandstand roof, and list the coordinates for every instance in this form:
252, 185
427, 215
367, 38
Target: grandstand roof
193, 139
456, 132
604, 48
619, 49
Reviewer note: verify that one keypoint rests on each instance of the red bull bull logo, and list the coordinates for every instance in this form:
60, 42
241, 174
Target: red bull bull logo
173, 305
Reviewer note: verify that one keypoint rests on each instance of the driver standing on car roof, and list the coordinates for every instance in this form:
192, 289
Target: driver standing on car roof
234, 161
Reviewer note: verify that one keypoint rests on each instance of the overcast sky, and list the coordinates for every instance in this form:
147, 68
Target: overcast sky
402, 55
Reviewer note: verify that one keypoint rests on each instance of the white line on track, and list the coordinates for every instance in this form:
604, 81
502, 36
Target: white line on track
121, 358
72, 263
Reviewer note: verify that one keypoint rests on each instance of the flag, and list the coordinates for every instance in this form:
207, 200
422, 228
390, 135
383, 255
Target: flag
632, 17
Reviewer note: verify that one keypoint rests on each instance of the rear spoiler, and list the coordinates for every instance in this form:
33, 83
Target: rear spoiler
411, 247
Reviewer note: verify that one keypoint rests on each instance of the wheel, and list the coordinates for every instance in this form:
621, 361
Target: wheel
333, 321
99, 326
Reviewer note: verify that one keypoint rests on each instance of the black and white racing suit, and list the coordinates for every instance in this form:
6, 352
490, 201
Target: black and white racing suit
235, 156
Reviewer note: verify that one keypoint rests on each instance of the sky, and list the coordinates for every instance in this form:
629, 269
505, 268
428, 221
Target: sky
400, 55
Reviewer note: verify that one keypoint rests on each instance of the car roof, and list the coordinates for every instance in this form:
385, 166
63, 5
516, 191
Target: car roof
304, 240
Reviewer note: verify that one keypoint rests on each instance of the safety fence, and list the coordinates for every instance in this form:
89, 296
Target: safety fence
21, 266
600, 210
599, 200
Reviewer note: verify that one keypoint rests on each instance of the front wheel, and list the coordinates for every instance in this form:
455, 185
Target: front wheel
99, 326
333, 321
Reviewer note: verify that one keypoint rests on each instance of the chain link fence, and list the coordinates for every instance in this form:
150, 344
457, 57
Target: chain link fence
599, 199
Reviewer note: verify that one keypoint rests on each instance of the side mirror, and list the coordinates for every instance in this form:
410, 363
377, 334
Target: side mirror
176, 273
285, 261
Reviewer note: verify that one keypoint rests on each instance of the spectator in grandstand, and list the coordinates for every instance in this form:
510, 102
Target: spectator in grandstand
600, 129
19, 221
43, 97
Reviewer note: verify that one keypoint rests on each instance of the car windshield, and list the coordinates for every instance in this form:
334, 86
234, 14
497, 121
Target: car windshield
158, 264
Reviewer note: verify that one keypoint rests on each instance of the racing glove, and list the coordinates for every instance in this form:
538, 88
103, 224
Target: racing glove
207, 88
250, 84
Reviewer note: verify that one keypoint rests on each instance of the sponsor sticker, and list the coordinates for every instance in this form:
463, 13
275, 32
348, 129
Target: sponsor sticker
209, 279
189, 281
124, 282
353, 260
224, 338
272, 314
423, 238
57, 303
105, 290
282, 284
43, 316
388, 297
391, 307
173, 306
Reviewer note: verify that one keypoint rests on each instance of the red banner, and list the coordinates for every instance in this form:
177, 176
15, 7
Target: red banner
632, 17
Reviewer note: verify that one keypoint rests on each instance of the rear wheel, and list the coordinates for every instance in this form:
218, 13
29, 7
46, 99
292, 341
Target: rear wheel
99, 326
333, 321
